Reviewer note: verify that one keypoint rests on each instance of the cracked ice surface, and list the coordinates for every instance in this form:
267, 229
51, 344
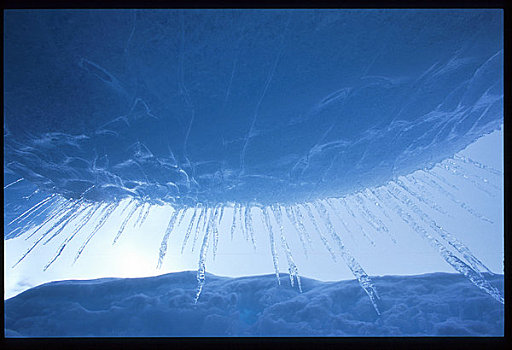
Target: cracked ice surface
187, 107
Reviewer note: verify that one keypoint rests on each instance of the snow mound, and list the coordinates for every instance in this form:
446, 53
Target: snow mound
437, 304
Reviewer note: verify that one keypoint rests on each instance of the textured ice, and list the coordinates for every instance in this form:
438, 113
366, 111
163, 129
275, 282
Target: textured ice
437, 304
186, 106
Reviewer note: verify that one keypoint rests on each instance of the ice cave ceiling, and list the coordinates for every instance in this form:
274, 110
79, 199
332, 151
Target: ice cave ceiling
260, 106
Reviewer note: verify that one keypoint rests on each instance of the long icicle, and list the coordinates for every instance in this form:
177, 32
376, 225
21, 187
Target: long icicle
165, 239
221, 213
215, 230
60, 220
248, 225
70, 218
440, 178
207, 214
454, 242
146, 213
28, 225
299, 218
59, 209
201, 271
419, 197
83, 222
125, 222
361, 275
371, 197
141, 206
293, 271
345, 204
467, 160
266, 221
33, 208
330, 203
60, 214
431, 182
291, 217
182, 216
372, 219
109, 209
233, 224
322, 237
456, 170
242, 227
448, 256
189, 229
202, 213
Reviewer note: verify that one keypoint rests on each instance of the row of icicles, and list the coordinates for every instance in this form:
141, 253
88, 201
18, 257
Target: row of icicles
398, 195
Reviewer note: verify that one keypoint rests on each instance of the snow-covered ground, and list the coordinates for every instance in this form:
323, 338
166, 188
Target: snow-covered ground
436, 304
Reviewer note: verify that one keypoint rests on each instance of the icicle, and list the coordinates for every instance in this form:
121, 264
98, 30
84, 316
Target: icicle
454, 242
189, 229
475, 179
28, 225
215, 231
74, 214
375, 221
242, 227
58, 213
165, 239
456, 170
221, 214
141, 206
340, 219
442, 179
434, 184
363, 231
293, 271
201, 271
448, 256
83, 222
371, 197
322, 237
202, 215
266, 221
60, 220
127, 205
420, 198
299, 218
248, 225
145, 215
468, 160
207, 215
291, 217
362, 277
180, 219
32, 209
108, 210
233, 224
125, 222
12, 183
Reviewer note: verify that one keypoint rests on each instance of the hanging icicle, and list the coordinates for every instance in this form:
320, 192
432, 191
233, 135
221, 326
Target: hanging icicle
448, 256
293, 271
362, 277
165, 239
266, 222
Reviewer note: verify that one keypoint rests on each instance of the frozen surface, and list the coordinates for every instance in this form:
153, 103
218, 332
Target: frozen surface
436, 304
257, 106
